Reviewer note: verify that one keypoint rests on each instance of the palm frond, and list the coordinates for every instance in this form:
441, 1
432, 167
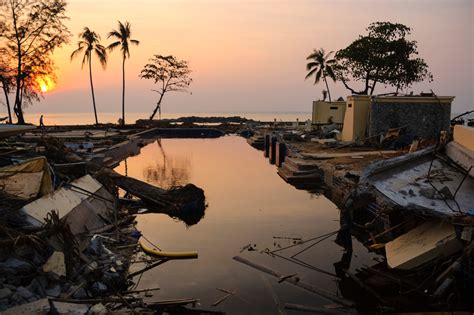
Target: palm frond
114, 34
318, 76
114, 45
86, 58
77, 51
330, 73
101, 53
311, 65
328, 54
310, 73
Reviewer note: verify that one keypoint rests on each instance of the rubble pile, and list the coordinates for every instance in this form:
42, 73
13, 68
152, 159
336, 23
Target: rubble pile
67, 240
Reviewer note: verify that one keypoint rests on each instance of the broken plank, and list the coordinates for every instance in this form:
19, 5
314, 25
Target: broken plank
317, 310
136, 273
222, 299
301, 284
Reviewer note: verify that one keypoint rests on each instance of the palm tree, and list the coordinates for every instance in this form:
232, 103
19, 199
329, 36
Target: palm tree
123, 40
89, 42
321, 66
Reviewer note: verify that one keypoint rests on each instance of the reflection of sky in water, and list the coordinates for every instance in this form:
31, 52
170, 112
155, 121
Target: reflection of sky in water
167, 171
248, 203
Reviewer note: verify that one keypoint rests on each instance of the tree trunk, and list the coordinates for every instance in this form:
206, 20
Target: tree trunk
327, 88
92, 90
373, 88
158, 105
123, 91
8, 104
17, 106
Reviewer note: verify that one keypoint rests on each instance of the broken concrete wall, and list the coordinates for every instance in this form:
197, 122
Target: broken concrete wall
423, 117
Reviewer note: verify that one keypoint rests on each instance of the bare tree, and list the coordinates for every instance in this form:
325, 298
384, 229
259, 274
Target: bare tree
171, 75
31, 30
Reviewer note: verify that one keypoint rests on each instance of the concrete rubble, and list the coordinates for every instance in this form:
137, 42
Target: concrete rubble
405, 192
66, 237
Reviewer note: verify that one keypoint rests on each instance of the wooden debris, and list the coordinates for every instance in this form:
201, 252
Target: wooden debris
283, 278
136, 273
318, 310
301, 284
222, 299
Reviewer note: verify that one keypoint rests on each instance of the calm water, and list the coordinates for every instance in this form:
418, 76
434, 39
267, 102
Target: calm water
51, 119
248, 203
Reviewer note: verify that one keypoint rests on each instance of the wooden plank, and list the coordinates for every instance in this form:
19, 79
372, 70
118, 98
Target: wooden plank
317, 310
298, 283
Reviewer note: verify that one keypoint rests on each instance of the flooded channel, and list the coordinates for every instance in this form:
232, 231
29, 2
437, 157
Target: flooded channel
248, 203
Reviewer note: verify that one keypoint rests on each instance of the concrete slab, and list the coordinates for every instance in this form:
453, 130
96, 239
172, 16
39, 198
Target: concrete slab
407, 185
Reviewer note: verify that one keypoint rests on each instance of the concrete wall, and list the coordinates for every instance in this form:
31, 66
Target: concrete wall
323, 110
355, 118
423, 116
461, 150
464, 136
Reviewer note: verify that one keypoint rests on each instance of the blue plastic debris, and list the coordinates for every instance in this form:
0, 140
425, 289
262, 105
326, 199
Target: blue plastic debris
136, 234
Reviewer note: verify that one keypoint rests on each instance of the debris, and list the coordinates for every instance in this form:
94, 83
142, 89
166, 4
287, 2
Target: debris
28, 179
82, 204
167, 255
186, 203
301, 284
98, 309
5, 293
318, 310
56, 264
422, 244
245, 247
222, 299
285, 277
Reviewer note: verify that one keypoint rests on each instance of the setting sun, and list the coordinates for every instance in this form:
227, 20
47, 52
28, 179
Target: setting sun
45, 83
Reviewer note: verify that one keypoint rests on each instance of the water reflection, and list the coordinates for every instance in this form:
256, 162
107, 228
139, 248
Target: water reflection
168, 171
248, 204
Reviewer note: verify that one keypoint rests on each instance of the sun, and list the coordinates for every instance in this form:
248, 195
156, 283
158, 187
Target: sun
45, 83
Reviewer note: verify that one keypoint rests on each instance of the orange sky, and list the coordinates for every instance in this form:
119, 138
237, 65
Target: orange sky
249, 55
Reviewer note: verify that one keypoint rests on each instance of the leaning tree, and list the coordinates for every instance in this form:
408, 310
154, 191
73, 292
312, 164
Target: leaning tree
170, 74
31, 30
384, 56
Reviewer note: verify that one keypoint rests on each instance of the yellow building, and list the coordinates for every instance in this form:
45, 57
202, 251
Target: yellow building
418, 116
355, 119
461, 149
322, 111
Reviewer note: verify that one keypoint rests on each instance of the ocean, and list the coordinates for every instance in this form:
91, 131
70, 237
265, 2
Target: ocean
51, 119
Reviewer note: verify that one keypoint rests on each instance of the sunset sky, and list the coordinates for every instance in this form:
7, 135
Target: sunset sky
250, 55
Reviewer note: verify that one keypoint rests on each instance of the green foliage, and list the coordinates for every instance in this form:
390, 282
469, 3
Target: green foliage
171, 75
383, 56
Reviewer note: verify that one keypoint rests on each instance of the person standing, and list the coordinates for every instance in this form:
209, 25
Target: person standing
41, 123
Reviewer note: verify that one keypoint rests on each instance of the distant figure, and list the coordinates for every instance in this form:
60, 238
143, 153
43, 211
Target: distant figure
41, 122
